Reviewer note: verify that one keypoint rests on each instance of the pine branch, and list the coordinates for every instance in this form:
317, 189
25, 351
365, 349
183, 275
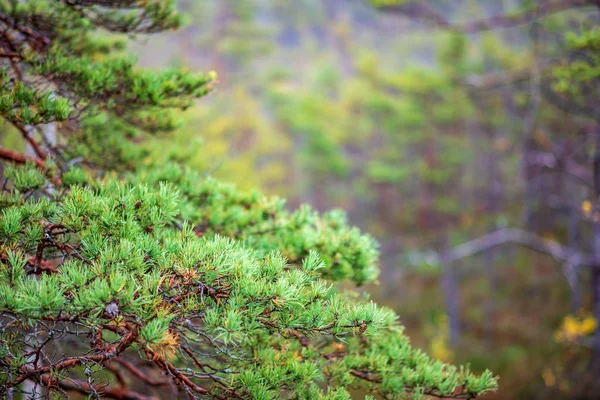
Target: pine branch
367, 376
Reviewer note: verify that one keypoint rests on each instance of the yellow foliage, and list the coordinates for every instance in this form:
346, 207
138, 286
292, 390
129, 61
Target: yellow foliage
278, 302
439, 345
338, 347
548, 377
586, 207
297, 356
573, 328
168, 345
440, 349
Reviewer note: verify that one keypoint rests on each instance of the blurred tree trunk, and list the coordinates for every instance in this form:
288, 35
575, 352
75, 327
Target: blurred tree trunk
490, 259
224, 18
596, 243
451, 294
573, 243
337, 35
532, 173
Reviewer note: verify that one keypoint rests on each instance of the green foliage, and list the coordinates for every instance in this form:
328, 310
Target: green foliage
263, 223
126, 248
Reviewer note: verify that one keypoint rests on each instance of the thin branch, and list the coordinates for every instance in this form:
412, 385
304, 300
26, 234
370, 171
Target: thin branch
203, 367
86, 388
32, 142
10, 55
551, 161
522, 238
139, 374
166, 366
117, 373
26, 31
28, 372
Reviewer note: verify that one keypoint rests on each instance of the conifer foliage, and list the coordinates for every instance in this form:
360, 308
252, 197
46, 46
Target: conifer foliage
124, 279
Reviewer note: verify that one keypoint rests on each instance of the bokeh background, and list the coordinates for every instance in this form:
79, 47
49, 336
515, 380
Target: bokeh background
428, 138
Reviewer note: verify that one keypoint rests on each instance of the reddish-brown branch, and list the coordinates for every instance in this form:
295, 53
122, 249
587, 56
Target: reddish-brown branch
20, 158
301, 338
204, 367
170, 368
86, 388
29, 33
39, 255
423, 11
10, 55
41, 266
29, 372
365, 376
32, 142
117, 373
140, 375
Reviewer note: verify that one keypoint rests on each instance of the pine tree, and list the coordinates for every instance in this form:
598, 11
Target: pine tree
125, 278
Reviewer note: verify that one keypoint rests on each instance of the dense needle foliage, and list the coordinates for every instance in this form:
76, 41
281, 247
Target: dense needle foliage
125, 279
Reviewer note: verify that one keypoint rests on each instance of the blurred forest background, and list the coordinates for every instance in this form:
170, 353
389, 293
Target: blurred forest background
433, 124
463, 134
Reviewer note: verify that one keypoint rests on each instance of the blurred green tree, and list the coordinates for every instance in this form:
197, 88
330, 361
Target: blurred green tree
557, 93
